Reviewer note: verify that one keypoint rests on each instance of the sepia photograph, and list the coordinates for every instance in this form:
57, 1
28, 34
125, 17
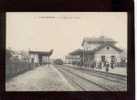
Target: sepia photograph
66, 51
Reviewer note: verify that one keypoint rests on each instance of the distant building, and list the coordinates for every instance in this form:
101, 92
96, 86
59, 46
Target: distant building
97, 51
40, 57
72, 59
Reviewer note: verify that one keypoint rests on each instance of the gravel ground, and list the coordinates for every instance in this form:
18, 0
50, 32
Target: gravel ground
49, 78
43, 78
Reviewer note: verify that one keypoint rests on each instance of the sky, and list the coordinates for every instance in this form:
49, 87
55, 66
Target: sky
62, 31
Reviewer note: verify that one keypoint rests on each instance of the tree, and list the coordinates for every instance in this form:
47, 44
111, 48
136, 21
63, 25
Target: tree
9, 54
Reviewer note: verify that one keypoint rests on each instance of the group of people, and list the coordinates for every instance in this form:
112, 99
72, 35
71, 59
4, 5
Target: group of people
105, 64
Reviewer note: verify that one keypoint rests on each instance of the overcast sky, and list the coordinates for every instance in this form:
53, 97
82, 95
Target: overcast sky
62, 32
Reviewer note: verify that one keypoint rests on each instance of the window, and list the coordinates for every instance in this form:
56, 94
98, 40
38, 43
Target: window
113, 58
102, 58
107, 48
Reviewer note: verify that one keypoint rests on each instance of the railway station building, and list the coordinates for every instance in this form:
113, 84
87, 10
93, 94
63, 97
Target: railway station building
97, 52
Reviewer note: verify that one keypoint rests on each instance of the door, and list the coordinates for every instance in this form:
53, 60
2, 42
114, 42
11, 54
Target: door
103, 58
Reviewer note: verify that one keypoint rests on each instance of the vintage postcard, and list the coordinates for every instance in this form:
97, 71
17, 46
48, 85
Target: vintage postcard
66, 51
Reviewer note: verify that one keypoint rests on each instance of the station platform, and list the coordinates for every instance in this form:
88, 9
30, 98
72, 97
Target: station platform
116, 70
43, 78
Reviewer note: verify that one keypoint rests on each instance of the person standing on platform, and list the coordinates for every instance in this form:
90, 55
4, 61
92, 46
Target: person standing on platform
107, 66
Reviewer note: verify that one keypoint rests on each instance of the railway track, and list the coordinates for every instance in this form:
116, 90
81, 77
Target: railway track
108, 76
78, 86
80, 82
108, 83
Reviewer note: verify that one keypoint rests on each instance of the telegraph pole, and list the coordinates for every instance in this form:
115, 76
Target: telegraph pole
83, 55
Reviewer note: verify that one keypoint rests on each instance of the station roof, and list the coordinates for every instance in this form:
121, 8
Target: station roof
80, 51
100, 39
76, 52
44, 53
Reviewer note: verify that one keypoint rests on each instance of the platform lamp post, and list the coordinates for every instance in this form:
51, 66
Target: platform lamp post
83, 56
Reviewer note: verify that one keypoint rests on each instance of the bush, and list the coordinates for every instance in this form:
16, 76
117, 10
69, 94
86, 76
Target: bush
14, 66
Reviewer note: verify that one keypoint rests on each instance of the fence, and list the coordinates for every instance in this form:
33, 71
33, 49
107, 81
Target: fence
15, 68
